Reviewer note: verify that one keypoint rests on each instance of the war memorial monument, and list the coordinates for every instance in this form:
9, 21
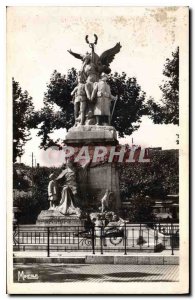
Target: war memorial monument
91, 186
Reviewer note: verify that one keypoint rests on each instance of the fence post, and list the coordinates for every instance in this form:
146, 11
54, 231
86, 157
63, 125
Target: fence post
101, 239
78, 237
93, 239
172, 246
48, 245
159, 227
140, 236
18, 237
125, 237
154, 238
148, 237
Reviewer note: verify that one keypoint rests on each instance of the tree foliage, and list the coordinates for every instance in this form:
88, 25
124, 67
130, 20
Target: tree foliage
142, 183
141, 209
130, 106
58, 110
23, 119
156, 179
35, 198
167, 111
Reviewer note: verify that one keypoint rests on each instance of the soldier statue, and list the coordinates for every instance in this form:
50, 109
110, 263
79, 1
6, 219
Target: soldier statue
103, 96
80, 101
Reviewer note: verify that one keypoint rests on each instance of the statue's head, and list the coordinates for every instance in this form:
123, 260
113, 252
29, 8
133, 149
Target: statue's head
87, 58
91, 78
104, 77
80, 78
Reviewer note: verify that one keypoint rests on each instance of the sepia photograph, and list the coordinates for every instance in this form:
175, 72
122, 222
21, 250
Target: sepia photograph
97, 149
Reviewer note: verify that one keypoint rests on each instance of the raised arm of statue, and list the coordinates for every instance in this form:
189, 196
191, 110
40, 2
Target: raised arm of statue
76, 55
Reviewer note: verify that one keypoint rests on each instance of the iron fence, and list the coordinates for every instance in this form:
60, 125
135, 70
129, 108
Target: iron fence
149, 237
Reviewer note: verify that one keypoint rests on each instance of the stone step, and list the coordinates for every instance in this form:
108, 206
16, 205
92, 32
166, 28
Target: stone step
103, 259
84, 248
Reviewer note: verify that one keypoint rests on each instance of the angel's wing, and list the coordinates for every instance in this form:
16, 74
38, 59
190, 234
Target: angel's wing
107, 56
77, 55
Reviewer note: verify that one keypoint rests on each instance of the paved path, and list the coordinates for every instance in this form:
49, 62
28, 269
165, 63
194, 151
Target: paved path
83, 254
97, 273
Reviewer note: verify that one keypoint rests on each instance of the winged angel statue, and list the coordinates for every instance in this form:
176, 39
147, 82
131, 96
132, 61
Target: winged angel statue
94, 64
93, 68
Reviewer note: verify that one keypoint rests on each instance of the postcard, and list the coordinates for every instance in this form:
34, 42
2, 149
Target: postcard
97, 150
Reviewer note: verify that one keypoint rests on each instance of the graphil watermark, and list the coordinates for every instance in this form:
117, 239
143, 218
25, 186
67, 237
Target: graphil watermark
97, 154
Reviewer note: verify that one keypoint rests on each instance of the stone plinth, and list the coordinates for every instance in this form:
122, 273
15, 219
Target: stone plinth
90, 134
100, 176
54, 217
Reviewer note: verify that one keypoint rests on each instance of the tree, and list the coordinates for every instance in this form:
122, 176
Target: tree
130, 106
150, 178
23, 115
141, 209
139, 180
167, 111
58, 110
31, 198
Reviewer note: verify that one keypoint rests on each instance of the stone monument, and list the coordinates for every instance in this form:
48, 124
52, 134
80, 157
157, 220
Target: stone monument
85, 185
96, 130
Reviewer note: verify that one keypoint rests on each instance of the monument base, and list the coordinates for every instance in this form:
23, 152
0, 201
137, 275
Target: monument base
89, 134
55, 218
100, 177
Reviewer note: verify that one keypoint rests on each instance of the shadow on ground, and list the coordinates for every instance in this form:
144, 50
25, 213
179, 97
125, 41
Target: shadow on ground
69, 273
130, 274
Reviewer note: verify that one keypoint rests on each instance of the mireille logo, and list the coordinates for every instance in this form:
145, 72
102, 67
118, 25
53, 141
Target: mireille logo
22, 276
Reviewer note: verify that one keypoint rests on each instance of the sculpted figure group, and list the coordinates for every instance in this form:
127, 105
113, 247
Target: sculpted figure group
66, 181
92, 102
92, 96
69, 203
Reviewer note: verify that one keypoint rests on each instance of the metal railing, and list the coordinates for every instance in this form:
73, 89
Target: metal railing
149, 237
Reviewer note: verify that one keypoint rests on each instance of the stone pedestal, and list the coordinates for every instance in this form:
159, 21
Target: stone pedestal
99, 179
91, 134
100, 176
55, 218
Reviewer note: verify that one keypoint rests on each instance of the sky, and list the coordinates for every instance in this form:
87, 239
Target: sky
38, 39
